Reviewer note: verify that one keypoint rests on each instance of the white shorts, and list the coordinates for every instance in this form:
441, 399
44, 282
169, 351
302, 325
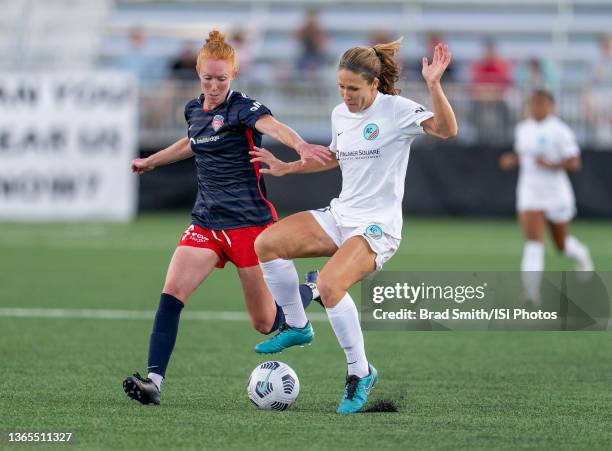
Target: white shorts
382, 244
556, 214
558, 207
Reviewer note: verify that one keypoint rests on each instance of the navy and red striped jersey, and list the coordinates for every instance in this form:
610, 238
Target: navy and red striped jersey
231, 192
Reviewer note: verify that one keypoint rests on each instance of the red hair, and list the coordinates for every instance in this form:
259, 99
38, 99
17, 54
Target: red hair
216, 48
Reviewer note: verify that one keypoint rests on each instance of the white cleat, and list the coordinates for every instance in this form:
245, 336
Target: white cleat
585, 268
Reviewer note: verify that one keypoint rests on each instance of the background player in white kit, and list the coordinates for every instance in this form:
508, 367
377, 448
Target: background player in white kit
545, 149
361, 229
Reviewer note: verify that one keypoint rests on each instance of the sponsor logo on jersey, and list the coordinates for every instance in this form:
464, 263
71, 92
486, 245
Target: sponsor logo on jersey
361, 154
370, 132
420, 109
374, 232
204, 140
541, 141
217, 122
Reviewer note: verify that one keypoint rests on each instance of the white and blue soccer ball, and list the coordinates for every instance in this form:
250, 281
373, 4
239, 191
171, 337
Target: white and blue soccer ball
273, 386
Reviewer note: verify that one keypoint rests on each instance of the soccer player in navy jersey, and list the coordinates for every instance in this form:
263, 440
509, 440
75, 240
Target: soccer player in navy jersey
231, 209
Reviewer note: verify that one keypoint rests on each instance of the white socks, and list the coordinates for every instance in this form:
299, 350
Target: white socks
345, 322
284, 284
157, 379
578, 252
283, 281
532, 266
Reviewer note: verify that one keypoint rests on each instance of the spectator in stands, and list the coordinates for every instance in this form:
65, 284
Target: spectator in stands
182, 67
379, 37
491, 79
602, 71
178, 88
491, 69
537, 74
599, 96
313, 41
139, 58
247, 45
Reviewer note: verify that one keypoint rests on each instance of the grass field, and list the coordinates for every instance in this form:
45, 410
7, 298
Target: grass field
454, 390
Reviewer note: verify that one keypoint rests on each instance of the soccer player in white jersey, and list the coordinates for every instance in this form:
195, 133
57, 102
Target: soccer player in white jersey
545, 149
361, 229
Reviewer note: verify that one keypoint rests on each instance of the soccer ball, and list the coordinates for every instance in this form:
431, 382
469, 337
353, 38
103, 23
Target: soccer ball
273, 386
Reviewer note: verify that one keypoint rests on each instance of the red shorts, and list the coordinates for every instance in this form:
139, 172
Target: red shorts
235, 245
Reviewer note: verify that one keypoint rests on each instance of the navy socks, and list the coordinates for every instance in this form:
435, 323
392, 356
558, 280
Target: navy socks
165, 328
305, 294
163, 335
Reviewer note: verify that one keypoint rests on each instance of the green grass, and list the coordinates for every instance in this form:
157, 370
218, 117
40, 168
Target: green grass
455, 390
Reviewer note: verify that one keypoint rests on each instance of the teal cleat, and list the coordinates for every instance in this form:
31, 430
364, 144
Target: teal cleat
285, 338
356, 392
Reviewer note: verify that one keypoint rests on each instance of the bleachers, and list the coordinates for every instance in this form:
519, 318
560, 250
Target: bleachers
51, 34
71, 31
80, 33
565, 30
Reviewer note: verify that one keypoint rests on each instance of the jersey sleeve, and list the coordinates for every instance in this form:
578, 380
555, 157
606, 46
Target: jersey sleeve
188, 110
333, 146
567, 142
250, 110
409, 115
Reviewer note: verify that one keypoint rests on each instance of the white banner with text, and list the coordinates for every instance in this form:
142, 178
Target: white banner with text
66, 142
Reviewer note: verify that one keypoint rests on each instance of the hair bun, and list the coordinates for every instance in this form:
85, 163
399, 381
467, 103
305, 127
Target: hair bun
215, 36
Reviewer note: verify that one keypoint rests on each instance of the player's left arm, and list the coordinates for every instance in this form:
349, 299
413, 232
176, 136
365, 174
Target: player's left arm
268, 125
443, 124
572, 164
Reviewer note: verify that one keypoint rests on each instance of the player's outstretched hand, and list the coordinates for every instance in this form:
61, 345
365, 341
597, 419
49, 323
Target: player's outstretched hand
141, 165
320, 154
432, 73
508, 161
275, 167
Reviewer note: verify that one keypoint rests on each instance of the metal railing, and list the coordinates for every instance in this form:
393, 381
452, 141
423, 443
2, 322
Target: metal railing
486, 117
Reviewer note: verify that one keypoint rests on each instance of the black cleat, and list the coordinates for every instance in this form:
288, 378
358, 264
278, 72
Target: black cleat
310, 280
142, 390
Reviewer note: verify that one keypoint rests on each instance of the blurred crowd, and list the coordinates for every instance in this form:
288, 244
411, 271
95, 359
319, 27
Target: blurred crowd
488, 78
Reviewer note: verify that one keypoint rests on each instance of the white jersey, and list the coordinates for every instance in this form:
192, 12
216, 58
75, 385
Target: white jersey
372, 147
540, 188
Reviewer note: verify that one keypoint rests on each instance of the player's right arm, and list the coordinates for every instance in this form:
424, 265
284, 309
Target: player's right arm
279, 168
508, 161
443, 124
178, 151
